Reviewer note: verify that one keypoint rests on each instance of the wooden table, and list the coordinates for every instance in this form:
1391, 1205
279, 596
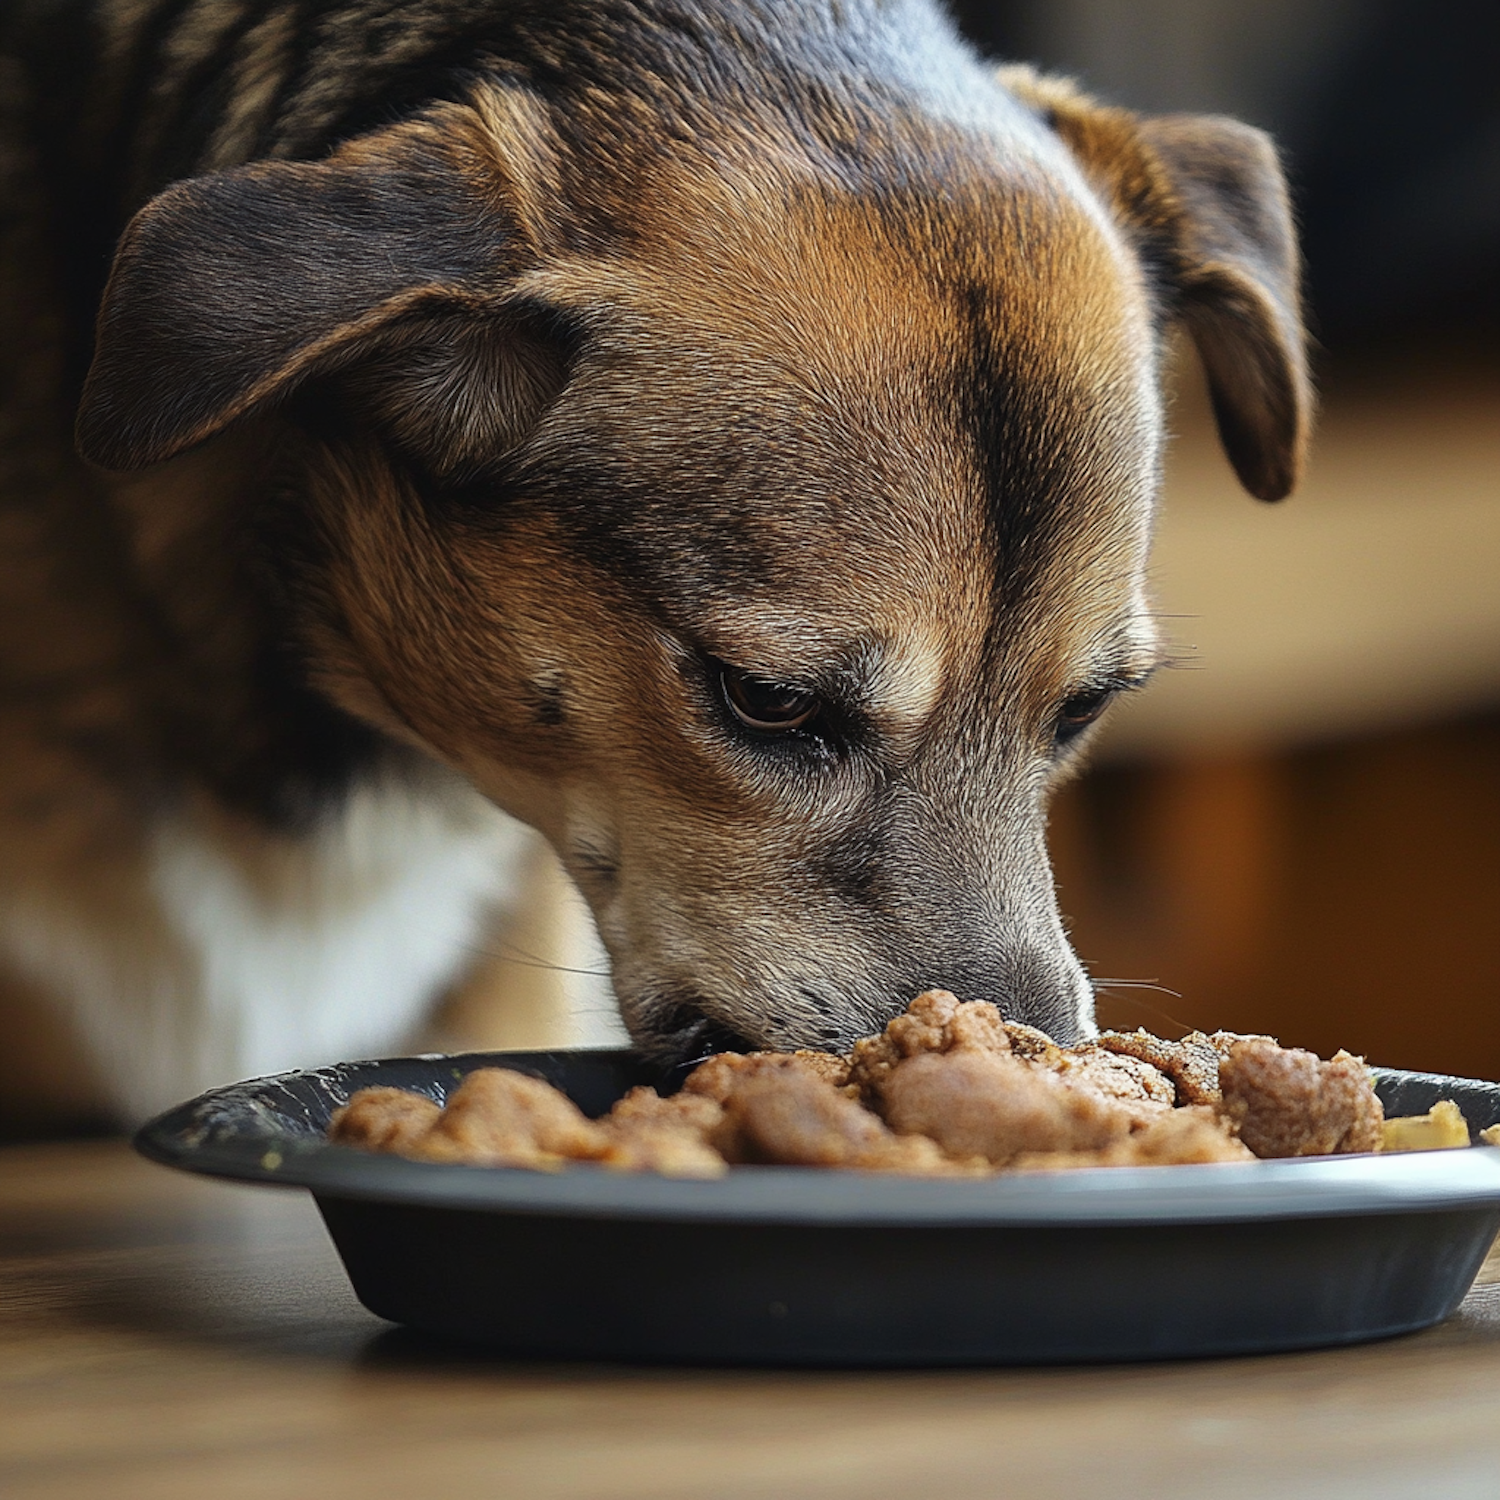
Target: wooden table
165, 1337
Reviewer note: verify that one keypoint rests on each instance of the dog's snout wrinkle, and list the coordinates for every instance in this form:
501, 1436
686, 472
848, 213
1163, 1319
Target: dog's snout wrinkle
831, 1032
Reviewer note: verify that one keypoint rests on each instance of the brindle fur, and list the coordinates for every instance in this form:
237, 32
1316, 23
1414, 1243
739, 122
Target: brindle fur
474, 376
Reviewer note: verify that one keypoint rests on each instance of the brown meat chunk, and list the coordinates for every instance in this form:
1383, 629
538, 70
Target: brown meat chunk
1030, 1044
1224, 1041
645, 1106
935, 1022
1088, 1065
1193, 1133
1192, 1064
789, 1109
383, 1119
718, 1076
974, 1102
829, 1066
960, 1075
1116, 1075
501, 1118
672, 1153
650, 1134
793, 1117
1286, 1102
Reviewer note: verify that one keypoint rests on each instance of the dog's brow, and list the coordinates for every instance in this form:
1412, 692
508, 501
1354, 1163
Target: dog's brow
1124, 659
1132, 678
896, 675
1131, 669
907, 678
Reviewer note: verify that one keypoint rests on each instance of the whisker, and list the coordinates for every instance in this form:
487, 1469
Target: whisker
531, 961
1102, 988
1136, 984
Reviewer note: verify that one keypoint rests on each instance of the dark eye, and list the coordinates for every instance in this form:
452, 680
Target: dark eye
1080, 711
768, 706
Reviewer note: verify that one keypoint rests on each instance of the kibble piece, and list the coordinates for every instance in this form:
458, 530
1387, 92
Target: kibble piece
1179, 1137
1286, 1102
501, 1118
650, 1134
383, 1119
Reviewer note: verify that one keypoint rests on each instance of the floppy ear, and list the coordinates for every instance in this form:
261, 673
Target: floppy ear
1209, 199
1237, 275
230, 289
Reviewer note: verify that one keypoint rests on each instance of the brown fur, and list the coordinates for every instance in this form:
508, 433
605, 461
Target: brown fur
638, 347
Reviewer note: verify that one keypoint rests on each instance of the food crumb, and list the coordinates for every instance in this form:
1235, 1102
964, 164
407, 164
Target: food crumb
1441, 1129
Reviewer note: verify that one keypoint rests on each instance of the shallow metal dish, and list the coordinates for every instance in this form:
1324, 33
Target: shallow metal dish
792, 1265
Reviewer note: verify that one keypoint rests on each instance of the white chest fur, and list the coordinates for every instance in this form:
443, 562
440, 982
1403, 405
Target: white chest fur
225, 952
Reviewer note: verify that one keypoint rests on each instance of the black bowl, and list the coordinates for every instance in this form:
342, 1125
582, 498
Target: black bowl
793, 1265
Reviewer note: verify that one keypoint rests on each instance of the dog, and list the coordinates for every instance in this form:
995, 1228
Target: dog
722, 435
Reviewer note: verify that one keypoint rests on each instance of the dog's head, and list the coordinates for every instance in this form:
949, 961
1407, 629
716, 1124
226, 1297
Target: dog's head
763, 516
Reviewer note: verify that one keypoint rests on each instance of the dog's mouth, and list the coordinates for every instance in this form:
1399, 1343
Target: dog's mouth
679, 1035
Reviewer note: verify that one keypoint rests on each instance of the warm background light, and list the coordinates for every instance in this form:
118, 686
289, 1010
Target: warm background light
1298, 830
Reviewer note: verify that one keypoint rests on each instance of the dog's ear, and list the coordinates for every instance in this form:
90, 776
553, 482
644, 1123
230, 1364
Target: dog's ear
1235, 267
229, 290
1208, 197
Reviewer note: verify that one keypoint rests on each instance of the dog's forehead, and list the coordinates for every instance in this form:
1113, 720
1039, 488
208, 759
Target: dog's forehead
798, 397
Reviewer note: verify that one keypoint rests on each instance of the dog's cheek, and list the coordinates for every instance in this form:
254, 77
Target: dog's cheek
418, 627
494, 648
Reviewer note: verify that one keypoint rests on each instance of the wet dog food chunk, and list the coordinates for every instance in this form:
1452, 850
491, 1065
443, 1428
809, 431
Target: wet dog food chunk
948, 1088
1286, 1102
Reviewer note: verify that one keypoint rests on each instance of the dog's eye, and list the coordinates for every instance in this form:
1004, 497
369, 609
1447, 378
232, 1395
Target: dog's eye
1080, 711
767, 706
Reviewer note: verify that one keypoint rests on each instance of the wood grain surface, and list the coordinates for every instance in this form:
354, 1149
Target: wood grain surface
166, 1337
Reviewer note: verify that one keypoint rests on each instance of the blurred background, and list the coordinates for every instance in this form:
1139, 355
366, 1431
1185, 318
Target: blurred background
1297, 829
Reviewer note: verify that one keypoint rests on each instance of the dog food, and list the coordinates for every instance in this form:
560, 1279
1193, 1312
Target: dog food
1440, 1129
947, 1089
